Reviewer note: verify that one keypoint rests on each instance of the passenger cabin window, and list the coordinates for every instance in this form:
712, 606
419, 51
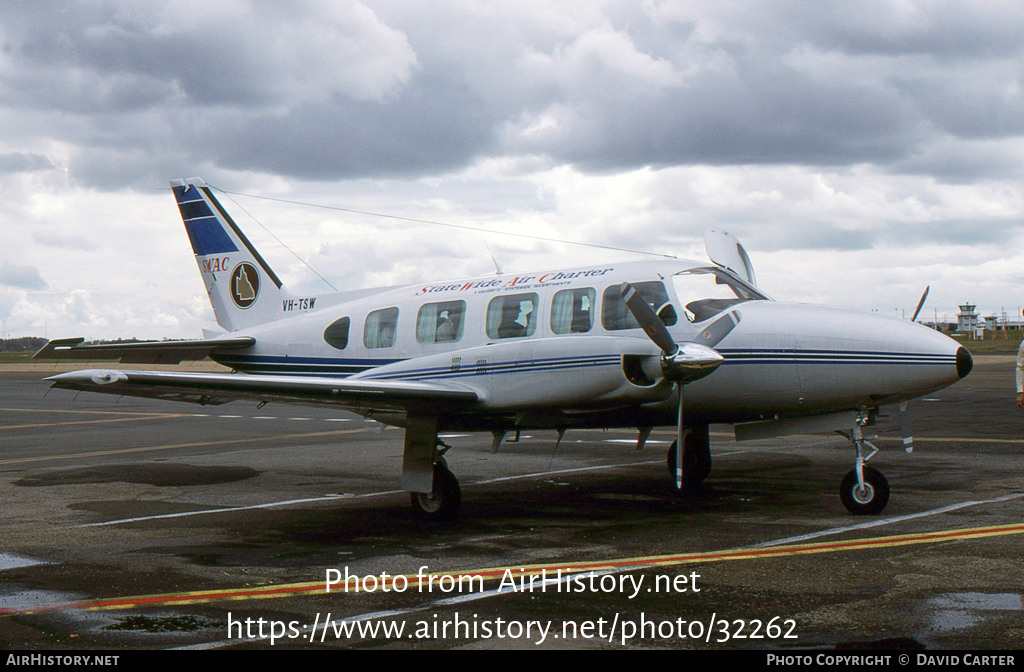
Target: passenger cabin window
512, 316
440, 322
379, 330
615, 315
705, 292
336, 334
572, 310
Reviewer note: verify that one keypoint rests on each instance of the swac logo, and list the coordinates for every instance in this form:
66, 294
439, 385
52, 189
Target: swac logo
245, 285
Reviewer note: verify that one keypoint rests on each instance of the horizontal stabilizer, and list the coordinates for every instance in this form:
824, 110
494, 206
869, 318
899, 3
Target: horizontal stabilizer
142, 352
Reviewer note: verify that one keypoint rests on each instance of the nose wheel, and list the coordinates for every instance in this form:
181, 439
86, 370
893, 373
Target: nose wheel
868, 498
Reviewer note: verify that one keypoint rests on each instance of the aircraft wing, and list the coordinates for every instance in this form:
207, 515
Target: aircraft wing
143, 352
219, 388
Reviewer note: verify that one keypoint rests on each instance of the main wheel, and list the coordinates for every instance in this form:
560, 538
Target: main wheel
441, 503
870, 499
696, 456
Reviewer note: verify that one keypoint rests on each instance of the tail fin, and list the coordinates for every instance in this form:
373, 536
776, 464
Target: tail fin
243, 289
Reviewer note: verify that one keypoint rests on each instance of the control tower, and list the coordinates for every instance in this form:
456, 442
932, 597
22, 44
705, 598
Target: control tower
967, 319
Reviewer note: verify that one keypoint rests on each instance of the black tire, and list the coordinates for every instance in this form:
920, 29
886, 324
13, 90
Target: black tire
872, 500
696, 457
442, 503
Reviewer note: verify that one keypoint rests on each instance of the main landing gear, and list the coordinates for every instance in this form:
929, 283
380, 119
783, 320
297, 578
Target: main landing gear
696, 456
864, 491
433, 489
443, 501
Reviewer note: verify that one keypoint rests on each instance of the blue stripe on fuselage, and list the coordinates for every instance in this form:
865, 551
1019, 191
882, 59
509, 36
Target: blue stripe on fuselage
320, 366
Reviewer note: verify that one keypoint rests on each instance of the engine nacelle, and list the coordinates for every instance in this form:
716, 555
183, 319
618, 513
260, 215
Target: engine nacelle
583, 373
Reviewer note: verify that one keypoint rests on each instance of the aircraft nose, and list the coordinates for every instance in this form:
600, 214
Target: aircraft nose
964, 362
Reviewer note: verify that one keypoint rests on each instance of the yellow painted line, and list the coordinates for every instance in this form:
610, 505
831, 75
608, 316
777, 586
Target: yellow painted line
548, 569
172, 446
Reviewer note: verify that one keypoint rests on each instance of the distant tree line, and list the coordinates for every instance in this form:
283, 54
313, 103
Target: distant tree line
25, 343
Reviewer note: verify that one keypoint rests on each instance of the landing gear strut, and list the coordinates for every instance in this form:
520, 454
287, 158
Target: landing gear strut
433, 489
696, 456
864, 491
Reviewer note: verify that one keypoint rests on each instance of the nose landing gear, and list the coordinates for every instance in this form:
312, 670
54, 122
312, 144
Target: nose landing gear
864, 491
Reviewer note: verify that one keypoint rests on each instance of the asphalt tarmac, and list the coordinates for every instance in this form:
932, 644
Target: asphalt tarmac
138, 524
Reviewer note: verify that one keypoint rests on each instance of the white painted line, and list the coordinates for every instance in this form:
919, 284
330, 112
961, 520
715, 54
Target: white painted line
563, 471
288, 502
229, 416
228, 509
338, 420
633, 441
888, 521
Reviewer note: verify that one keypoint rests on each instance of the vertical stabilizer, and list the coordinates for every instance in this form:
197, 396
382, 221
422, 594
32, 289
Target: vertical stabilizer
243, 289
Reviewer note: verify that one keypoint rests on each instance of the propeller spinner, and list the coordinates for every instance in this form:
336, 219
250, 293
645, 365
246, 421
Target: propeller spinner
681, 363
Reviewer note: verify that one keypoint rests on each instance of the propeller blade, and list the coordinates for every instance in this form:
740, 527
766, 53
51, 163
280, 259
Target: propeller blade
719, 329
689, 361
648, 319
920, 304
680, 435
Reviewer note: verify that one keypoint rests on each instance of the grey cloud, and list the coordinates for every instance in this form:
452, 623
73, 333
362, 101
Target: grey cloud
956, 162
24, 277
824, 236
62, 240
17, 162
322, 91
955, 232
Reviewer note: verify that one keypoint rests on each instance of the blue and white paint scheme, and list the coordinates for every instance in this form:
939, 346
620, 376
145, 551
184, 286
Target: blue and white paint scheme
612, 345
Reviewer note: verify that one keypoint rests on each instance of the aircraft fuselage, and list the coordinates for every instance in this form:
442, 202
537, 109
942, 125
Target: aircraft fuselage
551, 369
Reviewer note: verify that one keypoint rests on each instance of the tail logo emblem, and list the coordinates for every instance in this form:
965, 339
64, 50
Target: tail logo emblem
245, 285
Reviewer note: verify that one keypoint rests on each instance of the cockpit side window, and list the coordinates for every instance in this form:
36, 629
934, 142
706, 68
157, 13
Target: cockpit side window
705, 292
615, 315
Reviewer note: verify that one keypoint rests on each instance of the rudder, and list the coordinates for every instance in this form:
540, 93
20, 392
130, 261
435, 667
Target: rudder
243, 289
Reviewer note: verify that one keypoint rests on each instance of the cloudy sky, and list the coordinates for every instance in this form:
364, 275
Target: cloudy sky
860, 151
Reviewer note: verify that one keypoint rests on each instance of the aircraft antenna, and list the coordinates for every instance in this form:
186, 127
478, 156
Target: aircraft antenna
303, 261
452, 226
497, 267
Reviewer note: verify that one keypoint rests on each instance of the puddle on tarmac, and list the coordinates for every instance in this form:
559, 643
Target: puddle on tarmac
956, 611
159, 624
26, 600
11, 561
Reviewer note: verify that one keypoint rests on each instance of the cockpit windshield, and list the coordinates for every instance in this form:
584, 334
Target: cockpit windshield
705, 292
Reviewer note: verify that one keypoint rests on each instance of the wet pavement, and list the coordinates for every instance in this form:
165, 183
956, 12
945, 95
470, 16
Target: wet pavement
145, 524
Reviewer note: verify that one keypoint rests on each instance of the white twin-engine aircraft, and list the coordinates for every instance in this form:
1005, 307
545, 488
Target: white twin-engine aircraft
612, 345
